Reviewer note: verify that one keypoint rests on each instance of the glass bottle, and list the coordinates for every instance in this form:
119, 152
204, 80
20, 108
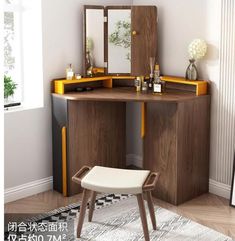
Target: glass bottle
69, 72
138, 84
157, 85
144, 84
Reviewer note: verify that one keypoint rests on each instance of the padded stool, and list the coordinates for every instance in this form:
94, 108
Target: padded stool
114, 180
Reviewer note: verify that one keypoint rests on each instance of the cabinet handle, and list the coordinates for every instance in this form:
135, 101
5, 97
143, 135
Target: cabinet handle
134, 32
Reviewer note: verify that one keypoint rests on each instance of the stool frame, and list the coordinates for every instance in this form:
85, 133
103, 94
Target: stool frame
148, 186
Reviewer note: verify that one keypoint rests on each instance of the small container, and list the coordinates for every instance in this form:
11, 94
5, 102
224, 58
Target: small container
144, 86
78, 76
69, 72
138, 84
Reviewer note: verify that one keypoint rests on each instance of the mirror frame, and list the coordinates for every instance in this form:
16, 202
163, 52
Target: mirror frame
85, 7
106, 38
106, 8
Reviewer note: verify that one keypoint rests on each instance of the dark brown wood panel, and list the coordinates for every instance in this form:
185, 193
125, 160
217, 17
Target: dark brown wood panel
193, 148
97, 136
177, 145
160, 148
144, 43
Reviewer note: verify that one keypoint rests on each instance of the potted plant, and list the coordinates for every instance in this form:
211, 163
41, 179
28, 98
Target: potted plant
9, 88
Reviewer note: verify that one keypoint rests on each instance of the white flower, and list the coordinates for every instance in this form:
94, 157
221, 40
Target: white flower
197, 49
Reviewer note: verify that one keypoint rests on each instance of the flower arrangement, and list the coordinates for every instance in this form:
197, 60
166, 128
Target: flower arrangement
197, 49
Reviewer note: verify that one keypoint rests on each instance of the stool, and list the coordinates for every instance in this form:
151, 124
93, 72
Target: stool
114, 180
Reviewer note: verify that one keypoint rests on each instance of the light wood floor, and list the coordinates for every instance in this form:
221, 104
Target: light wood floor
209, 210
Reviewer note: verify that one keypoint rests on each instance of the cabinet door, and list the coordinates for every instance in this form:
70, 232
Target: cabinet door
143, 38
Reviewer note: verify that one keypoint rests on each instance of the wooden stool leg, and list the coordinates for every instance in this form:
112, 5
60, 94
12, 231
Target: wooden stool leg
85, 197
92, 205
143, 216
151, 209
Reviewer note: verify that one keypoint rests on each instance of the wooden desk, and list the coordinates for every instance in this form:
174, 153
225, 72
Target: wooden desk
176, 140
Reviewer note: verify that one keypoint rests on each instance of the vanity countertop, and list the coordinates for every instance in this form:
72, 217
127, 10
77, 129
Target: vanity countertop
129, 94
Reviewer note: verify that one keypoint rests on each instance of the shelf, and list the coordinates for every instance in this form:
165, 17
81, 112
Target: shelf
199, 86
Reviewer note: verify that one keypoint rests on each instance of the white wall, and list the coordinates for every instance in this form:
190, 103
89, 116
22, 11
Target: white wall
28, 147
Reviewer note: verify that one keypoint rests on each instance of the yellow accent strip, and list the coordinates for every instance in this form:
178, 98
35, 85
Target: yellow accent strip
202, 89
181, 80
64, 161
123, 77
201, 85
108, 83
143, 112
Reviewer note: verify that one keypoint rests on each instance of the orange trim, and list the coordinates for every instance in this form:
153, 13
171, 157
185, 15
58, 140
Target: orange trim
108, 83
64, 161
143, 112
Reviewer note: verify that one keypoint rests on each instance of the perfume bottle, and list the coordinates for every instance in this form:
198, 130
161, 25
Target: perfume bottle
138, 84
144, 84
157, 85
69, 72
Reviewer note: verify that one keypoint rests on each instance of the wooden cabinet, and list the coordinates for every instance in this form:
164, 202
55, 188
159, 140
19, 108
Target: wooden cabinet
177, 145
90, 129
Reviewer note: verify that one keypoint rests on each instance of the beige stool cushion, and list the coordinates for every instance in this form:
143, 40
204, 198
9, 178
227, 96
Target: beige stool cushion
114, 180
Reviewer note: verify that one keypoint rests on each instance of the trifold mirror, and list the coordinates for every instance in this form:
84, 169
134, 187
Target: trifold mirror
119, 40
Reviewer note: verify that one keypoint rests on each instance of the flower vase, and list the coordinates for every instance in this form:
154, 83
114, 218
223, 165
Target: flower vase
191, 71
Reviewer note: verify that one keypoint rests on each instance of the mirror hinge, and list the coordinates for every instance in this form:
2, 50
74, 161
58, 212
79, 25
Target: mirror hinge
105, 19
105, 64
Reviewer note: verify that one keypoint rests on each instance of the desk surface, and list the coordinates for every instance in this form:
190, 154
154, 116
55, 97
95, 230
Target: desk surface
128, 94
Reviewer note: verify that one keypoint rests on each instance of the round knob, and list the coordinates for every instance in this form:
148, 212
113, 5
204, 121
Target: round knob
134, 32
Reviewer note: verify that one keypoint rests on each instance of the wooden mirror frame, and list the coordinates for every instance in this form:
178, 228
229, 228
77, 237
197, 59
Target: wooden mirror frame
106, 38
86, 7
142, 48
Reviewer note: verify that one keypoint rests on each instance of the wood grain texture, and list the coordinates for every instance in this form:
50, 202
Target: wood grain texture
96, 136
143, 217
129, 94
193, 145
144, 43
177, 145
160, 148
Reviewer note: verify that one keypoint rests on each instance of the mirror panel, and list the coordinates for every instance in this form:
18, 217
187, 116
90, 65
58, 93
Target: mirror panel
119, 41
94, 41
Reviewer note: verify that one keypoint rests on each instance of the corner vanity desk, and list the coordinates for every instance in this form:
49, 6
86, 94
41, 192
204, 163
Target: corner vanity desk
89, 128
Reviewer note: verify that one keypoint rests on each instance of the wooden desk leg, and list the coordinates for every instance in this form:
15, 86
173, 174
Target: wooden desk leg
92, 205
85, 197
143, 216
151, 209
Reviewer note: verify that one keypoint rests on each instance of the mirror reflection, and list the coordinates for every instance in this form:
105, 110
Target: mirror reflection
119, 40
94, 56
